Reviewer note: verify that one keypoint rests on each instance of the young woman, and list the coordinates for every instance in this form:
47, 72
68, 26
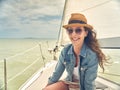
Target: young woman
80, 59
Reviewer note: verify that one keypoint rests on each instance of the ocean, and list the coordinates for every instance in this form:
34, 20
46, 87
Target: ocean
24, 57
10, 47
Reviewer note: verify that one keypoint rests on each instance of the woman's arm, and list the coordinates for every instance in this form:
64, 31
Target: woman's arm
59, 69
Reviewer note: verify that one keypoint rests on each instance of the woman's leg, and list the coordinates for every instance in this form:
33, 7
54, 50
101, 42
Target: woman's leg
57, 86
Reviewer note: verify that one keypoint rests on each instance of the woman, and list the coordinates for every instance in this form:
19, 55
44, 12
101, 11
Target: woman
80, 59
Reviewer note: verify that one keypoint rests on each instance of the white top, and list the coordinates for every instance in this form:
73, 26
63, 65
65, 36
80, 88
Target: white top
75, 73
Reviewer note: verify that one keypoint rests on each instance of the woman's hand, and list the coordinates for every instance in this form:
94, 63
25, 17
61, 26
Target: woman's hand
45, 86
73, 86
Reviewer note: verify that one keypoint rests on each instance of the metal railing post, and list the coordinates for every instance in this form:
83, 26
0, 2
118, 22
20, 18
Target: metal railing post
5, 75
42, 54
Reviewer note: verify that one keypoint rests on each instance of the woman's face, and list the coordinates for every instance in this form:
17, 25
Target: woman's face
77, 35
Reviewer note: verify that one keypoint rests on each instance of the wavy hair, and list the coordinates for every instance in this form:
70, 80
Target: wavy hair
92, 42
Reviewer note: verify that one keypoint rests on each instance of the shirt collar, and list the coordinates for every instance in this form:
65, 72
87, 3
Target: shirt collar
83, 50
82, 53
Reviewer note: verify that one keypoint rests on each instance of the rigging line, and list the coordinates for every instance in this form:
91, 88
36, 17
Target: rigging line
96, 5
21, 53
21, 72
61, 21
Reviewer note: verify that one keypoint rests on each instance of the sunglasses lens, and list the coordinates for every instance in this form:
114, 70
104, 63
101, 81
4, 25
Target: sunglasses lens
78, 30
70, 31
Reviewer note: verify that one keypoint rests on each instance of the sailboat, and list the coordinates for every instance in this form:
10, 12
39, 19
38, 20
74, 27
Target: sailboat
104, 16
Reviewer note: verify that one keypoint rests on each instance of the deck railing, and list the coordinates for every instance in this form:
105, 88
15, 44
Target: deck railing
17, 69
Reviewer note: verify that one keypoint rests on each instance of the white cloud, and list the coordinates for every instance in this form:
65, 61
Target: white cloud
31, 17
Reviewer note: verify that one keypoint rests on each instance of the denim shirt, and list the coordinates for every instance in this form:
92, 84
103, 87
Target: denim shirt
88, 66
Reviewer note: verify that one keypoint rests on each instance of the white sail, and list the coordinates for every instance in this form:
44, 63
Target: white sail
103, 15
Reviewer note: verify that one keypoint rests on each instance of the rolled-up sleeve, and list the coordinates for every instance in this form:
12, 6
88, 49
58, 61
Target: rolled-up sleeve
59, 69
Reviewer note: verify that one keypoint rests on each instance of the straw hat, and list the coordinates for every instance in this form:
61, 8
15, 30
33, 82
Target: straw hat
77, 19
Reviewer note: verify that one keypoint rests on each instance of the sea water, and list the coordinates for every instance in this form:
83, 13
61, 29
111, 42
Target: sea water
24, 57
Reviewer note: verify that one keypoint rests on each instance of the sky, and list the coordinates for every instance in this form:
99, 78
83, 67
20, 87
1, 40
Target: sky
42, 18
30, 18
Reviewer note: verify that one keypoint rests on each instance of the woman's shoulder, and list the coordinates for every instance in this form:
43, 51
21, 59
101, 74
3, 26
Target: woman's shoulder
92, 56
68, 45
66, 48
91, 53
89, 50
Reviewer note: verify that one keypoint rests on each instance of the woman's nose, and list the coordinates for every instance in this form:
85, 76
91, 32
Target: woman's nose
74, 33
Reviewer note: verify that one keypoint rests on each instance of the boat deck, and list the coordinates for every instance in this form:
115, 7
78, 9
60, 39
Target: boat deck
40, 79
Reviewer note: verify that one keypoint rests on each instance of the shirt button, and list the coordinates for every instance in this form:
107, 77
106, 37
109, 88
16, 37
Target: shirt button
65, 63
82, 69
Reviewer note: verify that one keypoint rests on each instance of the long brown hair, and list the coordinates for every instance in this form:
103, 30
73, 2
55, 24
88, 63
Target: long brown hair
92, 42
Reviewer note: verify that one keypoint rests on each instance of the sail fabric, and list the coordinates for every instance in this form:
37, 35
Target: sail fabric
103, 15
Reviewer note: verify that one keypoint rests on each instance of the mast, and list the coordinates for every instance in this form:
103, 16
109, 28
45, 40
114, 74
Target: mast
60, 30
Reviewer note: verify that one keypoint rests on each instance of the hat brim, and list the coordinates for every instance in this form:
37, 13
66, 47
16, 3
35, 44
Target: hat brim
77, 25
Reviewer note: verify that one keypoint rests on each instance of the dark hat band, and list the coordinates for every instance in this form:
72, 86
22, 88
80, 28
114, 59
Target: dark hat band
76, 21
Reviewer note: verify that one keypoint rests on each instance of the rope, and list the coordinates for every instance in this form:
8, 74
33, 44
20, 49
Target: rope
21, 53
96, 5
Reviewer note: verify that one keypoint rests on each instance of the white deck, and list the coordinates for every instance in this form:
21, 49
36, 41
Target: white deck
39, 80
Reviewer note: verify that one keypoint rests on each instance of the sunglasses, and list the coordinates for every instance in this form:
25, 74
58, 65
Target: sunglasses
77, 30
